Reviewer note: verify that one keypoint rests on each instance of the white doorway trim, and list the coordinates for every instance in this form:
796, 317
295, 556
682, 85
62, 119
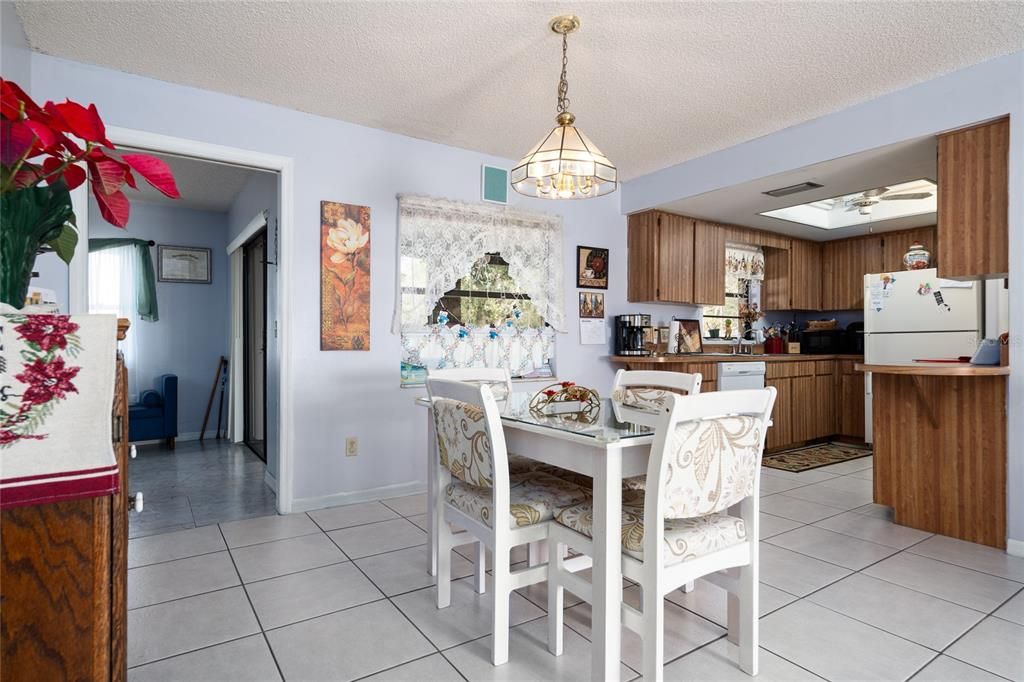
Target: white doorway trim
285, 168
248, 232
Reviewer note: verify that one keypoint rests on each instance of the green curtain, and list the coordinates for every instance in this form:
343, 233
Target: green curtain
145, 284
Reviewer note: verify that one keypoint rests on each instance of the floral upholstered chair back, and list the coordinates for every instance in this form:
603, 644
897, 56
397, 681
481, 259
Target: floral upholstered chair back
463, 444
652, 390
711, 464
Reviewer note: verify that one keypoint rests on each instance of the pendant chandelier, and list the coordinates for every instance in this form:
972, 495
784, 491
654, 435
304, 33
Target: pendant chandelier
565, 164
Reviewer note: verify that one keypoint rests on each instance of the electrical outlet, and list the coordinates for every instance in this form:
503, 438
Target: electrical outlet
351, 447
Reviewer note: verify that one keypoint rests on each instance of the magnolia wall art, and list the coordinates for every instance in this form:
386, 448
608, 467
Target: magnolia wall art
344, 276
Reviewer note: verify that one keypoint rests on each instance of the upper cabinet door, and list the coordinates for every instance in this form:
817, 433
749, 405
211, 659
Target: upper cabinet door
805, 262
642, 257
973, 228
675, 259
708, 263
844, 264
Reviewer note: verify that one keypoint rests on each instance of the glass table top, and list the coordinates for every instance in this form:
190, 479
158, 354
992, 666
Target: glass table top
613, 421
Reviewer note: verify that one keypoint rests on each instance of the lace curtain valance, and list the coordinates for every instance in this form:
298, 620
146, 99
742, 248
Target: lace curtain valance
439, 240
744, 262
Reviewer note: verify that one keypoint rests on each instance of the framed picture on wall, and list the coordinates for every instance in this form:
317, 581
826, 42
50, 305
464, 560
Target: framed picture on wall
189, 264
591, 305
591, 267
689, 337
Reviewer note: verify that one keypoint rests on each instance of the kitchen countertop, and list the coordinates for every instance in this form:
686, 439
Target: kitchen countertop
726, 357
936, 369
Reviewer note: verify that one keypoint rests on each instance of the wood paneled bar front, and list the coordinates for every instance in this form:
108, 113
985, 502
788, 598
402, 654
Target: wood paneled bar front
940, 448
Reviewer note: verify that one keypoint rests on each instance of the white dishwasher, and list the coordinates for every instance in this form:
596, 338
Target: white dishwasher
736, 376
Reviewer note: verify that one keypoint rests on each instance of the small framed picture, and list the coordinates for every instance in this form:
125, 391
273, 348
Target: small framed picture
189, 264
591, 305
591, 267
689, 337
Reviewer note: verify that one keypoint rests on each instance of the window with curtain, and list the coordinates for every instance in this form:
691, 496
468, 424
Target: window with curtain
113, 273
744, 272
479, 286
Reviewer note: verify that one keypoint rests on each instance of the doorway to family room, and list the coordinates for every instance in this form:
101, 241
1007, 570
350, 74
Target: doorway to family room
195, 276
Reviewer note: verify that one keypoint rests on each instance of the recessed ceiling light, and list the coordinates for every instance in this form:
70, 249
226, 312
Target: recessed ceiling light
915, 197
792, 189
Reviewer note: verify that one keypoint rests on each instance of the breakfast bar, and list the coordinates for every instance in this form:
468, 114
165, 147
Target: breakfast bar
940, 447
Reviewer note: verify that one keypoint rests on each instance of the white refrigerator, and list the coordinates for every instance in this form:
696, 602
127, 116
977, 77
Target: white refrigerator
913, 315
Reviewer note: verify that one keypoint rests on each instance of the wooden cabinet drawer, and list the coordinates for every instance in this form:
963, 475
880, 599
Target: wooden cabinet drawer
778, 370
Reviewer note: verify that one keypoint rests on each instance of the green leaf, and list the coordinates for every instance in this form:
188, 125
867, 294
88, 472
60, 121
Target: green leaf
65, 242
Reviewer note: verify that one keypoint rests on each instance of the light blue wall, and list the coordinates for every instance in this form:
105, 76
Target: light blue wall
194, 326
15, 58
342, 394
260, 194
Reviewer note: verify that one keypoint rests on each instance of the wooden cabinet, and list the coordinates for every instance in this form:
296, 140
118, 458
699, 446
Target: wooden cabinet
780, 433
824, 399
895, 245
973, 227
850, 417
708, 263
792, 277
844, 264
63, 581
661, 258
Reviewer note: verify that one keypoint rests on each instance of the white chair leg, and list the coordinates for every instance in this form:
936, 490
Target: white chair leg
556, 599
481, 568
748, 619
502, 592
654, 634
536, 553
688, 587
444, 565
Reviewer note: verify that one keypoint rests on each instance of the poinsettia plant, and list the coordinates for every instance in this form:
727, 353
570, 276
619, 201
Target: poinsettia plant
46, 151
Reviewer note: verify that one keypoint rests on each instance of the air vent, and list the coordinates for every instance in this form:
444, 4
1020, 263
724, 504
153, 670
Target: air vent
792, 189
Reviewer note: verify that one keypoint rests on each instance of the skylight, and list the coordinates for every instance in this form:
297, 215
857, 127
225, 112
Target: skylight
872, 205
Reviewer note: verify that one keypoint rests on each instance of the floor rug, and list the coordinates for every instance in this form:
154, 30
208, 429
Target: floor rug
814, 456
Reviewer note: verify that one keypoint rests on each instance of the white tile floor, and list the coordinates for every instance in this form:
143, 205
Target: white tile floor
342, 594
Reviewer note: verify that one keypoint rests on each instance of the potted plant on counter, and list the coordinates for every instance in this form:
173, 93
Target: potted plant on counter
45, 152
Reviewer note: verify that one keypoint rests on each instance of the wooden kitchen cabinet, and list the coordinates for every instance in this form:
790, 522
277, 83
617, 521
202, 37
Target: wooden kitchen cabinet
708, 263
661, 258
850, 418
896, 244
844, 264
780, 433
973, 218
792, 277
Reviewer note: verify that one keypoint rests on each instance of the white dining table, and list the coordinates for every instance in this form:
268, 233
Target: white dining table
614, 447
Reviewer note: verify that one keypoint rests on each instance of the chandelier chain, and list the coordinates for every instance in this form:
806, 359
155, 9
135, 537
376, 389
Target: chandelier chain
563, 82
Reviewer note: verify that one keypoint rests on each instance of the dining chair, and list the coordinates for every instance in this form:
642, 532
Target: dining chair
698, 518
477, 493
650, 390
500, 381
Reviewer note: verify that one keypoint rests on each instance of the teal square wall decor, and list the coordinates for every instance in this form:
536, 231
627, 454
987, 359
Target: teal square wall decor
494, 184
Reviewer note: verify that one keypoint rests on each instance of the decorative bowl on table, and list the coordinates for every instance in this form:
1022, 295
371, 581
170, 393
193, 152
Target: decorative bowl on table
568, 401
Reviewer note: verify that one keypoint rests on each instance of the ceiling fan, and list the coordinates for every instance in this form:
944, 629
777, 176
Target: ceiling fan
866, 200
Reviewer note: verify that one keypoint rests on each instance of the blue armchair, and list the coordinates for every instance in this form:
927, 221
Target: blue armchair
155, 417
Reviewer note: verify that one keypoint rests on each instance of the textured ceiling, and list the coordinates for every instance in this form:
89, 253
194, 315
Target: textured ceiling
652, 83
204, 185
881, 167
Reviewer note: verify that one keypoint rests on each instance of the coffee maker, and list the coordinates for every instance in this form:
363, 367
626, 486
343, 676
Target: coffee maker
630, 334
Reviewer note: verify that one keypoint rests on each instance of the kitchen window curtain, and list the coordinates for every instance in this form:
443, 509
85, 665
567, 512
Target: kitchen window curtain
145, 278
439, 241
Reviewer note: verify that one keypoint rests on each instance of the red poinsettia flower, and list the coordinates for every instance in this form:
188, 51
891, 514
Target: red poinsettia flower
551, 394
47, 331
29, 131
567, 384
46, 381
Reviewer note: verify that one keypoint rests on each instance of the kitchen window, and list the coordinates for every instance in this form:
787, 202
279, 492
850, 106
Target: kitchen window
744, 271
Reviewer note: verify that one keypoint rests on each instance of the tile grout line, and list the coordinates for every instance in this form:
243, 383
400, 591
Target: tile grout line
395, 606
256, 615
